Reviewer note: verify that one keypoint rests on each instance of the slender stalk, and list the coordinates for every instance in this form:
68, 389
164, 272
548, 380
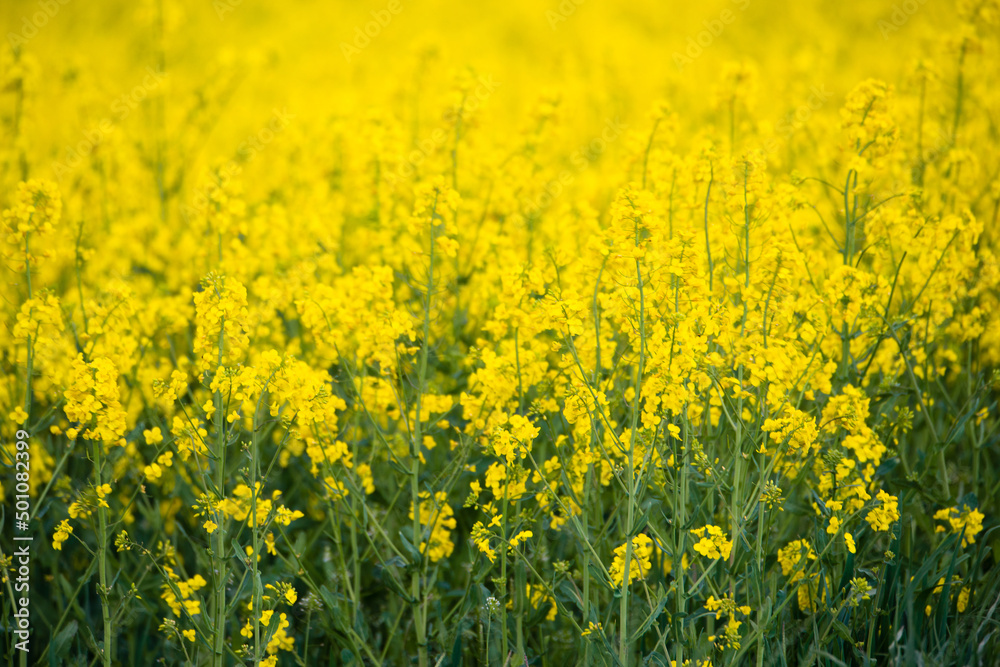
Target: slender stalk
504, 650
959, 93
102, 556
759, 551
356, 504
680, 537
258, 592
520, 656
708, 244
219, 599
845, 339
623, 652
30, 361
419, 611
18, 115
586, 561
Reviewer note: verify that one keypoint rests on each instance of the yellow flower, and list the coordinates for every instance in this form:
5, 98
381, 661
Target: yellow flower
367, 479
441, 514
481, 538
882, 517
36, 209
713, 542
642, 552
18, 416
92, 399
63, 531
967, 521
727, 606
520, 537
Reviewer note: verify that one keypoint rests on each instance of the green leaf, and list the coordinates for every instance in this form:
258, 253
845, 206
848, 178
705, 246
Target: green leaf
390, 581
639, 525
60, 643
842, 631
410, 550
565, 591
398, 466
653, 615
520, 583
456, 649
656, 658
258, 592
601, 577
237, 549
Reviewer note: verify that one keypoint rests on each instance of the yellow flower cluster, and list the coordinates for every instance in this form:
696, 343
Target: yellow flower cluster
885, 514
186, 589
966, 521
221, 320
36, 209
639, 566
726, 606
92, 401
63, 531
712, 542
438, 518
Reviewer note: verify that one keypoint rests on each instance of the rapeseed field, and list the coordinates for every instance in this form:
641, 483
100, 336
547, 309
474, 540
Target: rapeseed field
579, 332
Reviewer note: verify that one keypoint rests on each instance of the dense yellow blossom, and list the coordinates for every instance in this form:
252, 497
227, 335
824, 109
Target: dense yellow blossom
713, 542
966, 521
427, 321
641, 552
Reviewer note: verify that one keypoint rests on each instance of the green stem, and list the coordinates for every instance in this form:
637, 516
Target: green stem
30, 360
586, 562
219, 601
845, 339
102, 562
258, 592
503, 572
960, 90
708, 244
623, 650
419, 615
